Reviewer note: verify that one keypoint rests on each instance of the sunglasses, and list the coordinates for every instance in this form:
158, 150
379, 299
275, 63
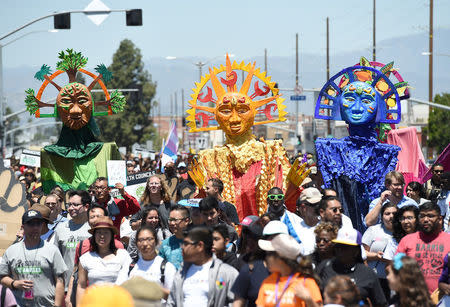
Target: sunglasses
275, 196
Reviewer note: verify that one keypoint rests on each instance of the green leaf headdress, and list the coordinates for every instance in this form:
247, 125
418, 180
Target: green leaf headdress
72, 62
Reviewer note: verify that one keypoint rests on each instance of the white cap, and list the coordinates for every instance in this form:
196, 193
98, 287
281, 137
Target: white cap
285, 246
274, 228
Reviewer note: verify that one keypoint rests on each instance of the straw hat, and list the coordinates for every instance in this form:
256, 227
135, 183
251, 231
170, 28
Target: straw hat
103, 222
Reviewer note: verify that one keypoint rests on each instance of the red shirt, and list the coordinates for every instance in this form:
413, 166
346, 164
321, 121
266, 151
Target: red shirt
127, 206
429, 252
86, 247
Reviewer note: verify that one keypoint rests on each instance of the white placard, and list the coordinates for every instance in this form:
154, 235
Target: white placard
117, 172
30, 160
7, 163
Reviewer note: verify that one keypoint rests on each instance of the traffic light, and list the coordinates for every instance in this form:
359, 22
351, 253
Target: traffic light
134, 17
299, 139
184, 122
61, 21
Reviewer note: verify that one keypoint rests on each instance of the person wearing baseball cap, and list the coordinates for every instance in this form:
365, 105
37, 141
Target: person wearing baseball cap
253, 269
33, 268
47, 234
308, 209
289, 284
348, 261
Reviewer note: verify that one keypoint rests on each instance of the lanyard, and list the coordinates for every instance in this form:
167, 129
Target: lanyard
278, 299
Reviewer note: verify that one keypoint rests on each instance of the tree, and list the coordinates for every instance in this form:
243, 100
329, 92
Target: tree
438, 124
133, 125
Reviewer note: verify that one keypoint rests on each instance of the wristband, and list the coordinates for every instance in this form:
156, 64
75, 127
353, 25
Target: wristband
12, 285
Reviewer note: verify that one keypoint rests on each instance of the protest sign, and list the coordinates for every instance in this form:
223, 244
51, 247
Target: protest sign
30, 158
135, 184
117, 172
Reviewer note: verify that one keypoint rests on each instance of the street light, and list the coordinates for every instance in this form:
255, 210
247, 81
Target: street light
2, 98
133, 18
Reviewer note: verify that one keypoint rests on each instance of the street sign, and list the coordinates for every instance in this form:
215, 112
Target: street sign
298, 97
96, 5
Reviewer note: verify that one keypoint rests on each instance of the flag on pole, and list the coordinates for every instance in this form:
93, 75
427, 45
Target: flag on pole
169, 153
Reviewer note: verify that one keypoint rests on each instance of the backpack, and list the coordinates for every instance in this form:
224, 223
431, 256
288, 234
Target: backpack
73, 297
3, 296
162, 269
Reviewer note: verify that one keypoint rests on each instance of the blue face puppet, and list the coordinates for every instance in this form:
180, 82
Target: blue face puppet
358, 103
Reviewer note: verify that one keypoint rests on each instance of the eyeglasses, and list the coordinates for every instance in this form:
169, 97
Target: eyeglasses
186, 243
174, 220
142, 240
275, 196
73, 204
430, 216
438, 171
407, 218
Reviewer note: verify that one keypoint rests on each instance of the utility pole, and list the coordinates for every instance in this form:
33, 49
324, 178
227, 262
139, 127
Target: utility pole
296, 86
159, 117
430, 58
328, 70
374, 30
430, 71
175, 106
182, 117
171, 106
265, 60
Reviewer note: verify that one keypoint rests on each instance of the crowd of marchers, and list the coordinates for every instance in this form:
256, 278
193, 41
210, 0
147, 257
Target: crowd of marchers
97, 248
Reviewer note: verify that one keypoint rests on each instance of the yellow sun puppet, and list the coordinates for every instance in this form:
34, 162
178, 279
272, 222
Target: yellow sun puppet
78, 157
247, 167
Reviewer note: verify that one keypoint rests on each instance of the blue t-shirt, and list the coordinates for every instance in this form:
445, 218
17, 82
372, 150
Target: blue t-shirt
170, 250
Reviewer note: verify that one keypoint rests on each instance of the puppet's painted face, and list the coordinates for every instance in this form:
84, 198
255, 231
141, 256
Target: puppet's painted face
358, 103
74, 105
234, 114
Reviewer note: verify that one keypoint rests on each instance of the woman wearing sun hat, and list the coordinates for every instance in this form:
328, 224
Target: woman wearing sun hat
291, 283
103, 263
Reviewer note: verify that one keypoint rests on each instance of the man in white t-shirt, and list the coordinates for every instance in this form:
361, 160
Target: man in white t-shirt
203, 280
70, 232
307, 207
330, 210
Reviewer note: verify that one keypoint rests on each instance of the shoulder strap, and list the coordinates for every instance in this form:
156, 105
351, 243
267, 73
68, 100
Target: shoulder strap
163, 271
132, 265
3, 295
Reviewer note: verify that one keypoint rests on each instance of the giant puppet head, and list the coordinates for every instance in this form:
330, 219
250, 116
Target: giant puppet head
363, 95
74, 103
229, 109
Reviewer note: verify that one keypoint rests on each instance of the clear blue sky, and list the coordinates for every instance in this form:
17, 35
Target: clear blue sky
211, 28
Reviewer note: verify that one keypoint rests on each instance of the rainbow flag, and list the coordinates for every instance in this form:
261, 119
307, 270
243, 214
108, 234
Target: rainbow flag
169, 153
